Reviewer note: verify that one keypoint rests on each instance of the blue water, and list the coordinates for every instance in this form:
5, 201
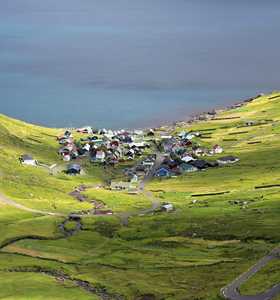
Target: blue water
130, 63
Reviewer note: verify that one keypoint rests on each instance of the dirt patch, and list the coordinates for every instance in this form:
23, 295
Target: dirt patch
17, 249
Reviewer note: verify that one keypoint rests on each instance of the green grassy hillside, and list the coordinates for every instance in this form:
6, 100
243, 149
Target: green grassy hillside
190, 253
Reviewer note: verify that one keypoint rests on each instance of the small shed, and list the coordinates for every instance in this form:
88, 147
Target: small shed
217, 149
151, 132
134, 179
100, 155
187, 168
187, 158
168, 207
200, 164
162, 172
27, 159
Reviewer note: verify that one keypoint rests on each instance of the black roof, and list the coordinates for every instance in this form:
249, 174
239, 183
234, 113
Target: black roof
228, 158
200, 164
26, 157
75, 167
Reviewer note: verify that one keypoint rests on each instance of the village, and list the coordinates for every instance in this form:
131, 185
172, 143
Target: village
150, 153
153, 152
177, 153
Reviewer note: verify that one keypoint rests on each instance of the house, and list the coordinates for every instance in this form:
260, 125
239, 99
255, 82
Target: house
28, 160
200, 164
166, 137
126, 138
190, 136
102, 131
100, 156
182, 134
134, 179
186, 143
73, 169
66, 150
138, 145
148, 162
67, 134
167, 207
227, 160
74, 154
141, 170
187, 158
168, 144
170, 163
199, 151
118, 153
250, 123
65, 141
151, 133
92, 138
163, 172
114, 144
66, 157
130, 154
86, 147
109, 134
103, 212
138, 132
87, 130
187, 168
217, 149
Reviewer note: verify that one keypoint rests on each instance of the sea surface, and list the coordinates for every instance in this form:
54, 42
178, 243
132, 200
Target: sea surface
124, 64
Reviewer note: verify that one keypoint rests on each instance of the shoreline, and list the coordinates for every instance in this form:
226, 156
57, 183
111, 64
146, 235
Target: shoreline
188, 120
206, 115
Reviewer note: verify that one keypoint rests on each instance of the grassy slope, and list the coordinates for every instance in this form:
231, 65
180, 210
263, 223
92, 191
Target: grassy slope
188, 254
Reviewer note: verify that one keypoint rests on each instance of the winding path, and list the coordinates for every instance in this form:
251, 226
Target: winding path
231, 291
6, 200
149, 176
124, 217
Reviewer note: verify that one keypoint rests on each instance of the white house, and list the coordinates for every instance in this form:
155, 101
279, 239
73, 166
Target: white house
167, 207
86, 147
86, 129
218, 149
66, 157
138, 132
134, 179
187, 158
28, 160
100, 155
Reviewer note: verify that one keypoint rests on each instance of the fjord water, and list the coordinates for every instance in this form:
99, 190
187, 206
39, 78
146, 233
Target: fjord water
133, 63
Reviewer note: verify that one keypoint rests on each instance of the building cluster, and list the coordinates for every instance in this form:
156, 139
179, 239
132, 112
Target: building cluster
183, 154
104, 146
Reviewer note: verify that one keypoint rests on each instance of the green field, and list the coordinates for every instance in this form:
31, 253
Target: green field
187, 254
